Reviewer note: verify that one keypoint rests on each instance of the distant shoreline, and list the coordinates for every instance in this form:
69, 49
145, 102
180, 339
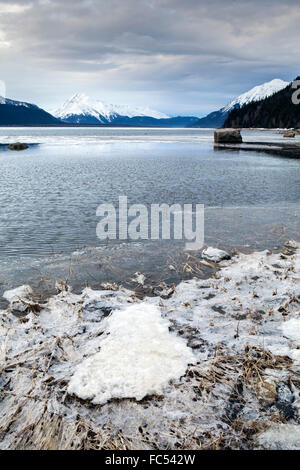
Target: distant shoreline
72, 125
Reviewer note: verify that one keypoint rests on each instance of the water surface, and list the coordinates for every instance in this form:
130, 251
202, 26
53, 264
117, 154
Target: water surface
50, 192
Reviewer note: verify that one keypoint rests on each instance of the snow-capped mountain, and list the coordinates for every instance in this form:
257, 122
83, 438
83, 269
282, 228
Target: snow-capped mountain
20, 113
217, 118
81, 109
257, 93
274, 112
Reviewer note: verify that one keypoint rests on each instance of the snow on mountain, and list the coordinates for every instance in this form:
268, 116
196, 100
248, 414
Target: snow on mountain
20, 113
16, 103
257, 93
81, 105
216, 119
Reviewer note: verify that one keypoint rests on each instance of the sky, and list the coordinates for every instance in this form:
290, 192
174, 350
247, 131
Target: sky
181, 57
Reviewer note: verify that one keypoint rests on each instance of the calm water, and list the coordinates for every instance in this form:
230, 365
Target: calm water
50, 192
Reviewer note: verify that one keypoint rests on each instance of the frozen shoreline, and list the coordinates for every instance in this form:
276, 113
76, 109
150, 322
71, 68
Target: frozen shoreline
239, 333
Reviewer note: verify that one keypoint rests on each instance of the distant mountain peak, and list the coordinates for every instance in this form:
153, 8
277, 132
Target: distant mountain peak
79, 96
81, 106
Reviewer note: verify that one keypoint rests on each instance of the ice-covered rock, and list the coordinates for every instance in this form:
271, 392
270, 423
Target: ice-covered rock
18, 297
215, 255
292, 244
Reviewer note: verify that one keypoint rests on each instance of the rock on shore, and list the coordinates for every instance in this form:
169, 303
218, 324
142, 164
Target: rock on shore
228, 136
17, 146
289, 134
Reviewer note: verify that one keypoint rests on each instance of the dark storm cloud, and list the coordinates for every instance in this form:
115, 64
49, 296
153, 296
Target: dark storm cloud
185, 56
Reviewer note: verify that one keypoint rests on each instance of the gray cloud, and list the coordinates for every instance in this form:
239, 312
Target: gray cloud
182, 57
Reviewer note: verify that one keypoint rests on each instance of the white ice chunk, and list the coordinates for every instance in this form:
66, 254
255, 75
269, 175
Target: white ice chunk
16, 295
139, 278
139, 357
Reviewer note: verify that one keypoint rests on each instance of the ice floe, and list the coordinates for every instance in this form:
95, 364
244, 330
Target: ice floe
133, 360
139, 357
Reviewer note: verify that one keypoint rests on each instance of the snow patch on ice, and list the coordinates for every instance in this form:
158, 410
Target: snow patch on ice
291, 329
139, 357
281, 437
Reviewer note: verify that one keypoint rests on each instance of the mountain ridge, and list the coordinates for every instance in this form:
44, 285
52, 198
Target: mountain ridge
80, 109
80, 105
276, 111
257, 93
21, 113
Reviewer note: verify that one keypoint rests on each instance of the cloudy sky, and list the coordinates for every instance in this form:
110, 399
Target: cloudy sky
178, 56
